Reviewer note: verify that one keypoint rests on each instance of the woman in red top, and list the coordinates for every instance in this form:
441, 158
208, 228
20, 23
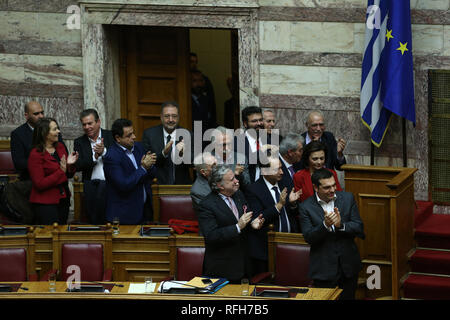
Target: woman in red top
50, 167
314, 155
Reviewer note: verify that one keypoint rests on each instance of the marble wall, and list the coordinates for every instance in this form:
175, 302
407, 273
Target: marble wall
295, 55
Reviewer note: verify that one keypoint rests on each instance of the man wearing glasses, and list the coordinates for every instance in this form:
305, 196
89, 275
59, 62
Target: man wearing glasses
315, 125
163, 140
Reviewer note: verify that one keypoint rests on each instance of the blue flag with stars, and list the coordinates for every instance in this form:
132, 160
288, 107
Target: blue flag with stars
387, 81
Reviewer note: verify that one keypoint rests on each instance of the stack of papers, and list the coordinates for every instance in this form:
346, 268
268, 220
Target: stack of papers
140, 288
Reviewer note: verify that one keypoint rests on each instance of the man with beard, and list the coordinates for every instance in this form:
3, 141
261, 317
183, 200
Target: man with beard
203, 104
250, 141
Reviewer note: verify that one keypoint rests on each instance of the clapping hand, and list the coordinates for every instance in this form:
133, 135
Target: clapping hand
72, 158
258, 222
148, 160
294, 196
333, 218
98, 149
341, 146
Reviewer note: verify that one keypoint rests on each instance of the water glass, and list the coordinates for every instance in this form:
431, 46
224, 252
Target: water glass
52, 282
148, 285
116, 224
244, 286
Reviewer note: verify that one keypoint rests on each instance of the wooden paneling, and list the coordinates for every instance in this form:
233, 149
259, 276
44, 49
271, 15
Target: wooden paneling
385, 197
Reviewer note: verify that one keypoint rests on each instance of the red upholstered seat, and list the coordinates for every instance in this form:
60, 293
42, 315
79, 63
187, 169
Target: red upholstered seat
6, 163
176, 207
189, 262
88, 256
13, 264
292, 265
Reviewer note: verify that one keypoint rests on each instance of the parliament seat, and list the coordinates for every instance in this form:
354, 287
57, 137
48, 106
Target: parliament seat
90, 250
186, 257
160, 191
6, 163
288, 260
176, 207
17, 257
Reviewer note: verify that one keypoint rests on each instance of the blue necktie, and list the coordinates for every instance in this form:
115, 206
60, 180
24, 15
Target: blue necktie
283, 217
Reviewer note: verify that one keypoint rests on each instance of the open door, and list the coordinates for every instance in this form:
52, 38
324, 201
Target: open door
154, 69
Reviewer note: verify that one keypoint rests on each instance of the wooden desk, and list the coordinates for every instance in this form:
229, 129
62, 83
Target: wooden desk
39, 290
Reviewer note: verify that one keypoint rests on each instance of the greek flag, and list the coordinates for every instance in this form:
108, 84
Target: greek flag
387, 81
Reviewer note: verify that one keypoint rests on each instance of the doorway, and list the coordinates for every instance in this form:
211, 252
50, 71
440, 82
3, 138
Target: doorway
155, 68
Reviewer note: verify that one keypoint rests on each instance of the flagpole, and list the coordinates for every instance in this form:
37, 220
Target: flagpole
405, 157
372, 154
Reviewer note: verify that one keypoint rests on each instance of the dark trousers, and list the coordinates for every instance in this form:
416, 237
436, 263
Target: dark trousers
95, 201
258, 266
47, 214
348, 286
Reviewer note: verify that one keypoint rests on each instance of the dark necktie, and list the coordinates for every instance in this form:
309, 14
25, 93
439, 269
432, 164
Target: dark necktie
292, 171
283, 217
171, 165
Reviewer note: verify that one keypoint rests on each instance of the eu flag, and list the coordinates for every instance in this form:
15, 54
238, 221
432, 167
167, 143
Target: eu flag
387, 82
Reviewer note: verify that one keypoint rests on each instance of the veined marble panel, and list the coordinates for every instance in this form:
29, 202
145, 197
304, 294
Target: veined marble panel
428, 39
216, 3
315, 81
415, 4
36, 5
275, 35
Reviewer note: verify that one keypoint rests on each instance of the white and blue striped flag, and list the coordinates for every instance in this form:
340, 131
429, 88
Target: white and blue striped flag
387, 82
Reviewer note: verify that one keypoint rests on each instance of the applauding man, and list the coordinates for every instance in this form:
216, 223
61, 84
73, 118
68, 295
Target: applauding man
129, 173
225, 223
330, 221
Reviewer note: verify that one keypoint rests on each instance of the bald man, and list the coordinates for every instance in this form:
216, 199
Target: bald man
22, 137
315, 125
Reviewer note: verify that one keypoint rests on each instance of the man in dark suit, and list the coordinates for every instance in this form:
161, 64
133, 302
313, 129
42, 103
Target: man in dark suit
223, 221
91, 148
203, 163
22, 137
330, 221
269, 122
165, 142
249, 142
315, 125
291, 151
203, 104
278, 205
129, 172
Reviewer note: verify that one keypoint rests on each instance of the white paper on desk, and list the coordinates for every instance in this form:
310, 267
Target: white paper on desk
140, 288
169, 284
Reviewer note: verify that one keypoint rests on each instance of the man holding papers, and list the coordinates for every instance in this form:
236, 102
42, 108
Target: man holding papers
225, 223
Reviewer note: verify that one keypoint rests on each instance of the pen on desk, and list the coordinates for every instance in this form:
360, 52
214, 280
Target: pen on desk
23, 288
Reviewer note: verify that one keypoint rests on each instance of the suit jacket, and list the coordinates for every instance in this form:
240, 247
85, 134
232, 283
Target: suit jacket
332, 157
153, 140
331, 249
250, 156
286, 180
21, 140
225, 248
125, 184
85, 163
49, 182
199, 190
260, 200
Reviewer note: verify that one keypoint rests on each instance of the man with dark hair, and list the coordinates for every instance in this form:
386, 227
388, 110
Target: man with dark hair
164, 141
91, 147
329, 222
22, 136
315, 125
203, 104
252, 121
129, 172
225, 223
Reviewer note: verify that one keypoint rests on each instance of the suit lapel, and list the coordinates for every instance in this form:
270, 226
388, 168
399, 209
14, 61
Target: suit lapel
223, 207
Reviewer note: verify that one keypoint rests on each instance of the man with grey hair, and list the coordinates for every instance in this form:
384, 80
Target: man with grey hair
269, 122
291, 151
315, 125
222, 148
225, 224
203, 164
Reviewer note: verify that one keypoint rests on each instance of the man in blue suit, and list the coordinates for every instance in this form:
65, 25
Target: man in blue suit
129, 172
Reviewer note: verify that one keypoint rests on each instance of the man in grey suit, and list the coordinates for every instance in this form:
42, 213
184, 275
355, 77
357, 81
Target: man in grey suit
330, 221
203, 163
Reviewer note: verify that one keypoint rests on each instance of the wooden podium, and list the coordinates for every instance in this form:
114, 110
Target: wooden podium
385, 197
